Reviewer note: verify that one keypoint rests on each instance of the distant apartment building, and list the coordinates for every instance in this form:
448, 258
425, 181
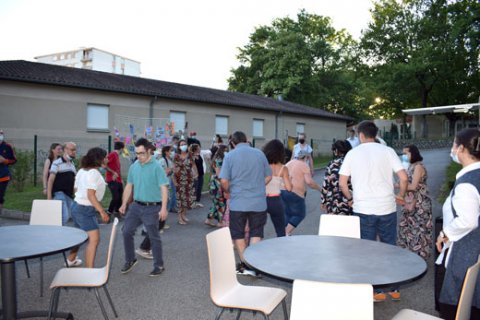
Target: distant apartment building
93, 59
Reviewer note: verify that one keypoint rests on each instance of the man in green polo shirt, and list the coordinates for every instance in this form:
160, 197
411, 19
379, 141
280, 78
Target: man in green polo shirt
150, 195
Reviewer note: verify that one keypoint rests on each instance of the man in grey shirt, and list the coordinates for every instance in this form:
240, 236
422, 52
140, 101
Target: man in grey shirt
245, 172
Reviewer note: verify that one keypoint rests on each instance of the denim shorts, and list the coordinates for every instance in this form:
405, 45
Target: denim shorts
295, 209
84, 217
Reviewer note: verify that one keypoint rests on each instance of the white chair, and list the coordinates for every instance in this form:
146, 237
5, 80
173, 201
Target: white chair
338, 225
85, 278
464, 303
226, 292
45, 212
333, 301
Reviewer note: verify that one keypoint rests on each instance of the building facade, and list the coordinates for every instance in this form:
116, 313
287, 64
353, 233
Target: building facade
59, 104
93, 59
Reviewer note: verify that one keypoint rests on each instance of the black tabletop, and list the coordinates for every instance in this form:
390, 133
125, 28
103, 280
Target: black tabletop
26, 241
334, 259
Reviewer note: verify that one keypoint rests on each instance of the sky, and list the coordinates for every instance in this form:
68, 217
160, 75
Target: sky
186, 41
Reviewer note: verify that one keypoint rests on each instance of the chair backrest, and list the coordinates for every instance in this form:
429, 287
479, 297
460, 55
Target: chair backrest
111, 245
221, 262
338, 225
327, 300
468, 289
46, 212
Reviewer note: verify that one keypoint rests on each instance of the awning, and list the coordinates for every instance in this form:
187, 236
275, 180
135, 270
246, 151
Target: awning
459, 108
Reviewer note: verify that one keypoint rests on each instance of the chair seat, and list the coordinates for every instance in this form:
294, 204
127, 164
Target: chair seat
408, 314
79, 277
263, 299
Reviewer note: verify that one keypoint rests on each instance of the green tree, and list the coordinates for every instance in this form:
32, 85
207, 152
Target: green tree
304, 60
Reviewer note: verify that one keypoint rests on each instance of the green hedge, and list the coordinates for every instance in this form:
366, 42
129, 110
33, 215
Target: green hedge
450, 175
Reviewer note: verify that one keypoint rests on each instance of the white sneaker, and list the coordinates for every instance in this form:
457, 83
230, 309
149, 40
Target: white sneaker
199, 205
75, 263
144, 254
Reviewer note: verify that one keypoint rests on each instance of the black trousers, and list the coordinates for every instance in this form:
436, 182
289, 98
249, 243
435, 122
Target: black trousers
116, 188
146, 245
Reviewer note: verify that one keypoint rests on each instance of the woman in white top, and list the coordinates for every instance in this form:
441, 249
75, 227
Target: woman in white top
303, 146
54, 153
90, 188
275, 153
461, 220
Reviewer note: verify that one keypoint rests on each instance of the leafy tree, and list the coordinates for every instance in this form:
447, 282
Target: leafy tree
304, 60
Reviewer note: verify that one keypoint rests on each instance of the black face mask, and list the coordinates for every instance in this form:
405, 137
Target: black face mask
302, 141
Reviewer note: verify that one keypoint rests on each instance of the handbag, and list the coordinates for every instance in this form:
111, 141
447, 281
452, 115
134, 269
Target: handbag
410, 201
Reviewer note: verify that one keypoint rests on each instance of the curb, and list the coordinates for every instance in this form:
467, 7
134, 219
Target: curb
15, 214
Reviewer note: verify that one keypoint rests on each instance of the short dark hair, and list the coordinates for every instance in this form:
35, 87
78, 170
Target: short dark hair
341, 146
165, 149
194, 147
94, 158
415, 155
368, 128
118, 145
470, 140
143, 142
274, 151
239, 137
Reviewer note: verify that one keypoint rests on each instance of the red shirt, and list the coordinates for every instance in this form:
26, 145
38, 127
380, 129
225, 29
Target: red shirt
114, 165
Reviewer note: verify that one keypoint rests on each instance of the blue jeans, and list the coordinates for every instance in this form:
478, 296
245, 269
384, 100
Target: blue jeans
149, 216
295, 208
66, 205
172, 199
383, 226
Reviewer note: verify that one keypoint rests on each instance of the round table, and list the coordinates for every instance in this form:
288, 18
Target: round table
30, 241
335, 259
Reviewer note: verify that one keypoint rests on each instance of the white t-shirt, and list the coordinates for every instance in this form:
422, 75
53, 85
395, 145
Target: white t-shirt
354, 142
88, 179
298, 147
371, 167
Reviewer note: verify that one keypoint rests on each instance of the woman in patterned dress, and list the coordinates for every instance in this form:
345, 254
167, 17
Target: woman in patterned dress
184, 174
415, 229
333, 200
217, 210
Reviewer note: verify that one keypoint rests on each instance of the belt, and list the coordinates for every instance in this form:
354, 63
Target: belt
148, 203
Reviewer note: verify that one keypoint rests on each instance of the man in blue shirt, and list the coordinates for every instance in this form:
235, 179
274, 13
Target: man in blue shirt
244, 174
149, 183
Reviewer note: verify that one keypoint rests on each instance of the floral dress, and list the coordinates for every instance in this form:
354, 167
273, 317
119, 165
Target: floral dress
184, 181
415, 229
217, 210
332, 196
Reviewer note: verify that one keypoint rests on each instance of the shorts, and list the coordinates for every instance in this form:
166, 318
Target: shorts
3, 189
84, 217
295, 209
256, 223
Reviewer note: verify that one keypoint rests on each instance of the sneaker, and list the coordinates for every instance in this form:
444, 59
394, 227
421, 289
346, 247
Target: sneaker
156, 271
166, 227
144, 253
395, 295
379, 296
129, 266
75, 263
199, 205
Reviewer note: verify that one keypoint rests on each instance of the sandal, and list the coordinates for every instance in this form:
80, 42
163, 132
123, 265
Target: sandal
182, 222
211, 224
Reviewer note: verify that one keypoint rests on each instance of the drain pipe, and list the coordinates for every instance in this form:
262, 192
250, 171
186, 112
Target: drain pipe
150, 110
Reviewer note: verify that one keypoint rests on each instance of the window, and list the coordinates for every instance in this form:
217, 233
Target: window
97, 117
221, 125
178, 119
258, 127
300, 127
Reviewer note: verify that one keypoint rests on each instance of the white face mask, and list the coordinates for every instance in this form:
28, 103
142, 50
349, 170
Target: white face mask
2, 137
454, 156
183, 148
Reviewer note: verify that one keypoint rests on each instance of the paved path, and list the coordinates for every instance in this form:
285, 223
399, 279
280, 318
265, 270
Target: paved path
182, 292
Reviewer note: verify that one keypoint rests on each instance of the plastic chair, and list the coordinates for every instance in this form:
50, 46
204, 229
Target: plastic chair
341, 226
328, 300
464, 303
85, 278
226, 292
45, 212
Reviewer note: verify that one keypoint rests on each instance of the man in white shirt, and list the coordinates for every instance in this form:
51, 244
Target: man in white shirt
371, 166
353, 140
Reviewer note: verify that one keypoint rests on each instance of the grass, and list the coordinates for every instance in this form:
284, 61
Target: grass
22, 201
450, 175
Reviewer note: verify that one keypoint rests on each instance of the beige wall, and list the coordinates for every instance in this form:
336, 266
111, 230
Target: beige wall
58, 114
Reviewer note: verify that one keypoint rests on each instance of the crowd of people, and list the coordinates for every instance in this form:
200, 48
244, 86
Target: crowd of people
366, 178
